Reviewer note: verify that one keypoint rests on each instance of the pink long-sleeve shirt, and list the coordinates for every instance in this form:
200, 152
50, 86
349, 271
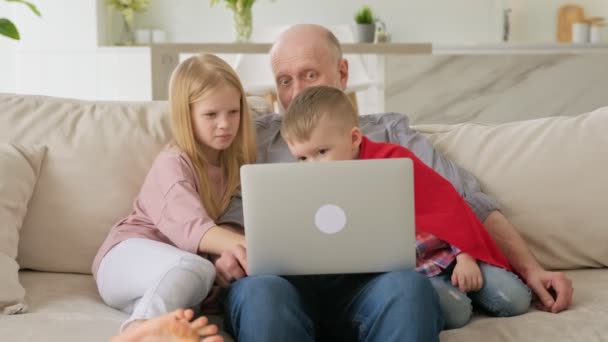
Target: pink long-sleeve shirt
168, 208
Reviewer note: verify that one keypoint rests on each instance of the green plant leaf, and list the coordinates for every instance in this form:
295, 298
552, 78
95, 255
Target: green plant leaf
7, 28
28, 4
364, 16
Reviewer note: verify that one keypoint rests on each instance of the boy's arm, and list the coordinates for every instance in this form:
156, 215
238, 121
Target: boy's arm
467, 274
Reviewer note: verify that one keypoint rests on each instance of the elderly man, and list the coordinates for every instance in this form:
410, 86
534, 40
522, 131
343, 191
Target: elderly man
397, 306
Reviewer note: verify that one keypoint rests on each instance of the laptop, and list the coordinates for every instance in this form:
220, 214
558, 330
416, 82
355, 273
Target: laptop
354, 216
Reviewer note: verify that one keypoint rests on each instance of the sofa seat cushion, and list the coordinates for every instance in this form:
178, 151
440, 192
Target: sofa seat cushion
67, 308
64, 308
584, 321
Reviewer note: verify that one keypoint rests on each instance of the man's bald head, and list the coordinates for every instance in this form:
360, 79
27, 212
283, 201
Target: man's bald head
308, 35
307, 55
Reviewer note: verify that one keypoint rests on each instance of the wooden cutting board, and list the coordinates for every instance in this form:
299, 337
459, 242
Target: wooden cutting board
566, 16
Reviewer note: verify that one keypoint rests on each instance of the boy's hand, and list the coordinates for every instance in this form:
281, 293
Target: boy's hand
467, 275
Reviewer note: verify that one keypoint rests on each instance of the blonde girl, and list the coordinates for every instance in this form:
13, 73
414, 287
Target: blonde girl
152, 261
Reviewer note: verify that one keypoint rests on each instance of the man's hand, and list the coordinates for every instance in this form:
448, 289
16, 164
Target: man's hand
540, 281
231, 265
467, 275
553, 289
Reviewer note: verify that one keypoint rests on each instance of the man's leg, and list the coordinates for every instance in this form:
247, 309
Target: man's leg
396, 306
267, 308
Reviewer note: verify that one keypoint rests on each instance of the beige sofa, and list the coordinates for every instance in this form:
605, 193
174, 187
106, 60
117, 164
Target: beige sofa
77, 166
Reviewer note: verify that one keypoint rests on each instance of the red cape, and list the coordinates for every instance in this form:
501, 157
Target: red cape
440, 210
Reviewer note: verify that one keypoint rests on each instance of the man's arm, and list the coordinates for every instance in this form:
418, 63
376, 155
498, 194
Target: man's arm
394, 127
233, 216
553, 289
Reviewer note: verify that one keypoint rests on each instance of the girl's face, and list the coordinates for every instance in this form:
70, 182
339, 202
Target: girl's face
216, 119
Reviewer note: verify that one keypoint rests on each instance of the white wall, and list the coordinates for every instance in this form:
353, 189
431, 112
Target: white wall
65, 25
8, 57
441, 21
56, 55
437, 21
59, 55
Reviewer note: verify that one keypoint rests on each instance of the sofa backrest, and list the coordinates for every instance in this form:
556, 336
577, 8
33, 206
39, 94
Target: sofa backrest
550, 176
98, 155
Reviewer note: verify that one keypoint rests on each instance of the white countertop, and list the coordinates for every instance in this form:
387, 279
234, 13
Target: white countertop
256, 48
519, 48
381, 48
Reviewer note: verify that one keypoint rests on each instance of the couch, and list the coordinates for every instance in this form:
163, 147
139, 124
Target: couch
69, 169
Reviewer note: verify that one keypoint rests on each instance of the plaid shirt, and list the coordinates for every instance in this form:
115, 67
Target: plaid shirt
432, 254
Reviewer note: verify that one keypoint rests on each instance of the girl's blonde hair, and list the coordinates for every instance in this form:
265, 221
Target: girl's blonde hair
193, 79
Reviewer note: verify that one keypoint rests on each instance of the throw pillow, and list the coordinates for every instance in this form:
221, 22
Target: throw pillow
19, 167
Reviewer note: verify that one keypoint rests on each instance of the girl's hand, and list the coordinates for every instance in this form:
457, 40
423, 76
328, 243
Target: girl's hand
231, 265
467, 275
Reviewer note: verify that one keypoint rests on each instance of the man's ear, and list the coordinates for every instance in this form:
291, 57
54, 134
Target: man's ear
343, 71
356, 136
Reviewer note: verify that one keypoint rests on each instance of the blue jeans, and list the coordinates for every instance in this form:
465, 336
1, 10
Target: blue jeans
503, 294
396, 306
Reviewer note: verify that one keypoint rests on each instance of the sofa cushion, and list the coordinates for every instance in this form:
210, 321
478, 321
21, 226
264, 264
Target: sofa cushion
548, 174
67, 308
19, 168
584, 321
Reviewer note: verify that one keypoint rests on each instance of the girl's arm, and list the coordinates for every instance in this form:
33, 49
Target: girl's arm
231, 260
219, 239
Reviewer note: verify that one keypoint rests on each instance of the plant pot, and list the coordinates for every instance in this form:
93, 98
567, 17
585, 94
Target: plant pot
365, 33
242, 24
127, 35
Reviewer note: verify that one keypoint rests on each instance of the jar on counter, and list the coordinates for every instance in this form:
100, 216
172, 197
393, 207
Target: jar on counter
580, 32
595, 30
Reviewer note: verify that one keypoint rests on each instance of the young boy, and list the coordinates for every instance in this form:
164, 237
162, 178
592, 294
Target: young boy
452, 247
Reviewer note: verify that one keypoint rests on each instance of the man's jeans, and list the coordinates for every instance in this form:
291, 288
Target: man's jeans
396, 306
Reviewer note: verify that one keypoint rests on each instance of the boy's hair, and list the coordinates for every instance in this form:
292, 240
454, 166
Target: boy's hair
192, 80
311, 105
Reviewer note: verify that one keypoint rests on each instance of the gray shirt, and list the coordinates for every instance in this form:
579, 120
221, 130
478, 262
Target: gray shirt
385, 127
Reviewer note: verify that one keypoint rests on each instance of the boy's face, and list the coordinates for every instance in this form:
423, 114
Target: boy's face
328, 141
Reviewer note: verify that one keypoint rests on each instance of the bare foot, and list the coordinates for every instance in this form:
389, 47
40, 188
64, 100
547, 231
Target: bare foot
172, 327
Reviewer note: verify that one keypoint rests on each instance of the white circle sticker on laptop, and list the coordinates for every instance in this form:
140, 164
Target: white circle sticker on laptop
330, 219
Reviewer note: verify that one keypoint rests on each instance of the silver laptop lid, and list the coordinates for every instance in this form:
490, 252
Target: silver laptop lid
352, 216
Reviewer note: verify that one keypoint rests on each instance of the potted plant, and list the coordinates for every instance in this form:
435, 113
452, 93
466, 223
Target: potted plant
365, 25
8, 29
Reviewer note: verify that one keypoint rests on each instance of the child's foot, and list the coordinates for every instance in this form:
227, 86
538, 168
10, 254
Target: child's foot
173, 327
